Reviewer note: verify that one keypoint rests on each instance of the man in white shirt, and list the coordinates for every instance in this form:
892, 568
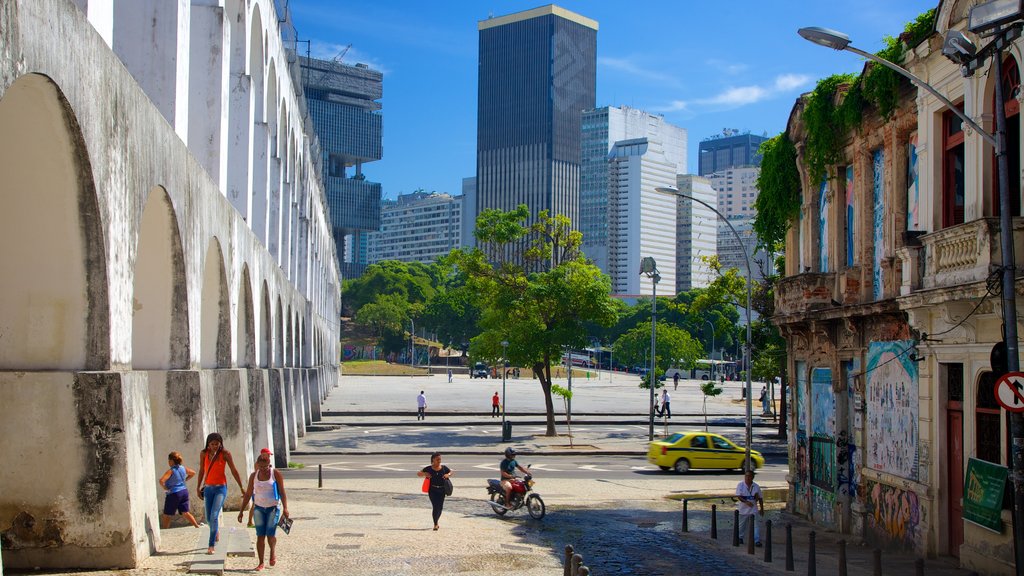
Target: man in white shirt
665, 408
421, 406
748, 502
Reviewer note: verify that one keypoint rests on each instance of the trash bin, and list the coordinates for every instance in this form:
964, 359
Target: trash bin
506, 431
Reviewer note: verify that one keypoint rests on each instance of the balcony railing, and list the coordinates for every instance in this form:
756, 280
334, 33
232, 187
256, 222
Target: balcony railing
961, 254
805, 292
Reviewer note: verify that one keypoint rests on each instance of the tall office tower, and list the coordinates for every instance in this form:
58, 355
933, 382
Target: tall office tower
730, 249
417, 227
696, 233
602, 129
737, 190
727, 150
641, 220
468, 212
537, 73
343, 103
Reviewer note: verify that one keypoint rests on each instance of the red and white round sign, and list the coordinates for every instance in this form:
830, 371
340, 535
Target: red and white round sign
1010, 391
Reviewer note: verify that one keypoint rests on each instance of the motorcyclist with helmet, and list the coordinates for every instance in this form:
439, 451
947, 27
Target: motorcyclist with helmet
508, 472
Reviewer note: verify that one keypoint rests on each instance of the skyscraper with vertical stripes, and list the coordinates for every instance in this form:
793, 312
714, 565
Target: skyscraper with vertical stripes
537, 73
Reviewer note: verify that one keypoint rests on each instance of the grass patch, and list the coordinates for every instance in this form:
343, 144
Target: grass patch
379, 368
296, 466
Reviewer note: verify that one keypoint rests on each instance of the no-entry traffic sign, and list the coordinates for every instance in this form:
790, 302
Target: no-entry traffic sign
1010, 391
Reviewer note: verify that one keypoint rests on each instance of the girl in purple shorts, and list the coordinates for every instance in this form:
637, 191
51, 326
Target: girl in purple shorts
176, 498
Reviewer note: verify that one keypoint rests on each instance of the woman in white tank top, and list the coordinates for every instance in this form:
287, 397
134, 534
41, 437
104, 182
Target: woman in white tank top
266, 488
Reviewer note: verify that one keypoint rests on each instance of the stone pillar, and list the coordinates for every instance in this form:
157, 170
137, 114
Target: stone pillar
291, 428
262, 432
182, 416
278, 417
233, 423
314, 394
85, 495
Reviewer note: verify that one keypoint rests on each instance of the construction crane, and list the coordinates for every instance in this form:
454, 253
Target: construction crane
336, 60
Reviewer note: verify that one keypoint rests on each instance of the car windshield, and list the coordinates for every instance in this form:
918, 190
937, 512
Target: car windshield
673, 438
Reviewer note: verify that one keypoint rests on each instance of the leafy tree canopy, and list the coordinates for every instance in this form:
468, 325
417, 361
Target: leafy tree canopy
674, 347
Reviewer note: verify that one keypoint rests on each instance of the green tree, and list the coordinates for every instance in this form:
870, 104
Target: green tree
413, 281
778, 197
536, 291
709, 389
386, 317
454, 310
674, 346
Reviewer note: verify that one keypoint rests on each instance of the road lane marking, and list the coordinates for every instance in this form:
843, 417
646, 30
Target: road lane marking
387, 466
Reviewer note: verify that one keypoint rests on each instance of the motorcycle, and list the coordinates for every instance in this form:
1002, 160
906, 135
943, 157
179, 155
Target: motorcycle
519, 497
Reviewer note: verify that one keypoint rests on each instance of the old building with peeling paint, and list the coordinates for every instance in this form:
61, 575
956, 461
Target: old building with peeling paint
167, 260
890, 315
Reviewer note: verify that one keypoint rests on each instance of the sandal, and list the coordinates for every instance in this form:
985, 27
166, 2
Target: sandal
273, 560
258, 568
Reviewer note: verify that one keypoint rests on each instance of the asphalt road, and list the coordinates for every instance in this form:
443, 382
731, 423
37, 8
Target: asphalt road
588, 467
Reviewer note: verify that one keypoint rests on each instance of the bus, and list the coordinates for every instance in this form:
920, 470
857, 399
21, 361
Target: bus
581, 360
706, 369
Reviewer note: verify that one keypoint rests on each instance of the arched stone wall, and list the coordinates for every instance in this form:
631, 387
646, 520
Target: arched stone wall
215, 321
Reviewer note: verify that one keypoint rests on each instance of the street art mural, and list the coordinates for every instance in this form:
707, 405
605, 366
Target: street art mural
913, 188
878, 223
822, 447
823, 232
351, 352
801, 479
892, 409
851, 220
895, 517
847, 471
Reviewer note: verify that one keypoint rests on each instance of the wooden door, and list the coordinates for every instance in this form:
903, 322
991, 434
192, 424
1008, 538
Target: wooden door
955, 479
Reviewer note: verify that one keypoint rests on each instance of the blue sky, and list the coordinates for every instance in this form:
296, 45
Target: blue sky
704, 65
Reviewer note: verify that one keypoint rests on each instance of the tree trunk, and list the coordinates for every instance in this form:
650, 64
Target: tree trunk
543, 370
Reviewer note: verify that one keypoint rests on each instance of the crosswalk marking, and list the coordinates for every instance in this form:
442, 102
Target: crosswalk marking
387, 466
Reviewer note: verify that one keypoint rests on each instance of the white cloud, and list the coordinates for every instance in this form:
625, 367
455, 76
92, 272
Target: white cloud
632, 68
739, 96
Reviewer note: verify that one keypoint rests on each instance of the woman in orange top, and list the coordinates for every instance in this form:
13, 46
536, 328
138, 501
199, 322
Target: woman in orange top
211, 468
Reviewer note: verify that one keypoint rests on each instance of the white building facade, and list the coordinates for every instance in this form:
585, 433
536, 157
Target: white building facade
627, 154
696, 232
417, 227
737, 190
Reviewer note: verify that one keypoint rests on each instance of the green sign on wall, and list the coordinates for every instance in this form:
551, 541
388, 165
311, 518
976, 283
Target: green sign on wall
983, 494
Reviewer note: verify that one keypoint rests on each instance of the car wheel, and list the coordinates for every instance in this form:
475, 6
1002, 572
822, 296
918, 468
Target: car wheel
705, 377
682, 466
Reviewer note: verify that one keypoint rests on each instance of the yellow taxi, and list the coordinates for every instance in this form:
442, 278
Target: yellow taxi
685, 451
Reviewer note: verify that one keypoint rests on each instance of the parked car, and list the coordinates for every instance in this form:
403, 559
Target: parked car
685, 451
479, 370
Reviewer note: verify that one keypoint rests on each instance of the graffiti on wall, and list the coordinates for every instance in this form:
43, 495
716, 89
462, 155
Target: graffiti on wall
350, 352
801, 481
913, 188
894, 516
823, 232
851, 220
823, 403
847, 476
892, 409
878, 223
823, 506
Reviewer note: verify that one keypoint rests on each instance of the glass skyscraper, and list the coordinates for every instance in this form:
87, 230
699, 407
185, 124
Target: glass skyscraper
343, 104
728, 150
537, 73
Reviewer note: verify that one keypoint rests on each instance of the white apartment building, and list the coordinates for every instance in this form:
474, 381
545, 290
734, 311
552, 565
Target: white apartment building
641, 220
627, 153
417, 227
730, 250
696, 232
737, 190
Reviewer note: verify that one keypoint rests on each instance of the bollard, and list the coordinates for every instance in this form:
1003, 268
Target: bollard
577, 560
876, 557
750, 535
789, 548
714, 521
735, 527
768, 541
919, 567
567, 565
842, 557
319, 475
812, 560
686, 523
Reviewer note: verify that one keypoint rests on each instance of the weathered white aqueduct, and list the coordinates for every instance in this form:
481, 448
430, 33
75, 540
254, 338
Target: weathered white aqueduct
167, 263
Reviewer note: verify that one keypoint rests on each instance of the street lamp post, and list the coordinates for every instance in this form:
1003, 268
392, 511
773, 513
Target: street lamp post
712, 358
746, 347
504, 358
1001, 19
650, 269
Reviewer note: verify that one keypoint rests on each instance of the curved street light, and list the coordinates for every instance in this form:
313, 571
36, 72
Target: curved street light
746, 348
